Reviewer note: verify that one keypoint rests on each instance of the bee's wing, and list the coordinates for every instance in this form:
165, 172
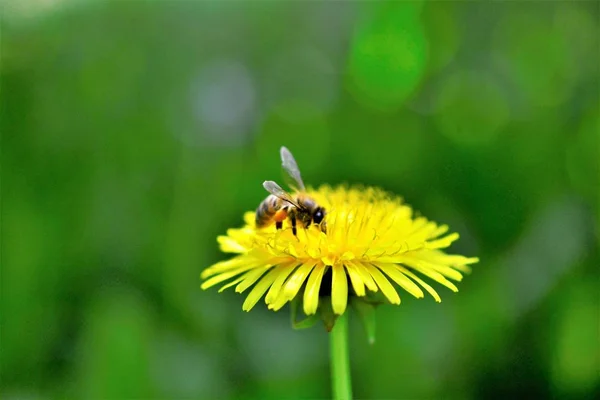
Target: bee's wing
291, 168
276, 190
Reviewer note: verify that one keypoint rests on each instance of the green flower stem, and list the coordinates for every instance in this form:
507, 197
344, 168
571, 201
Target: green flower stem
340, 361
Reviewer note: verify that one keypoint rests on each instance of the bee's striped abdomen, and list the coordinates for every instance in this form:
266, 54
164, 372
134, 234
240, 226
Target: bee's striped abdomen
266, 211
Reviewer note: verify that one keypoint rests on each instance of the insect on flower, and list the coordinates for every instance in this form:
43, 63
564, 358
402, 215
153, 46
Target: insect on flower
280, 205
335, 244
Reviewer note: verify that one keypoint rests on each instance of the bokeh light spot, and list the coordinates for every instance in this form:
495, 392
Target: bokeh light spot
442, 34
582, 164
399, 158
574, 367
115, 347
304, 78
28, 10
223, 101
472, 108
388, 56
536, 57
577, 28
307, 139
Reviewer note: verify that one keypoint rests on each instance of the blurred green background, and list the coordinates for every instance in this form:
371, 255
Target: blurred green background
133, 133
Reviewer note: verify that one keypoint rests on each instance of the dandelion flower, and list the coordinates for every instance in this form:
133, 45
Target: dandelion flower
373, 244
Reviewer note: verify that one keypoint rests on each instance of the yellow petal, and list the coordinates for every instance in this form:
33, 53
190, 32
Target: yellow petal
418, 224
429, 289
357, 283
373, 242
327, 260
260, 288
226, 265
275, 289
252, 277
292, 250
249, 218
463, 268
426, 230
443, 242
311, 293
313, 252
442, 269
384, 284
364, 275
393, 272
446, 271
226, 275
233, 282
455, 261
279, 302
339, 289
229, 245
297, 279
436, 276
439, 231
241, 235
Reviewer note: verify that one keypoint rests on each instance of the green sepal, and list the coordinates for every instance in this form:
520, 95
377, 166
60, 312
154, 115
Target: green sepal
326, 312
305, 323
366, 314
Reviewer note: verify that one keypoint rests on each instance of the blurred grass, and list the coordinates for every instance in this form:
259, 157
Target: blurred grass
133, 133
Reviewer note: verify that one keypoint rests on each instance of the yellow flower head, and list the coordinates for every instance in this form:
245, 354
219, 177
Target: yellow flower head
372, 243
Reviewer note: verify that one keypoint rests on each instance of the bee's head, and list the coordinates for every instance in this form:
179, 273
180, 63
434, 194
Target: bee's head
318, 215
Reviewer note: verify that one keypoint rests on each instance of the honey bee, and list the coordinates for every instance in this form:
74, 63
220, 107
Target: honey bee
280, 205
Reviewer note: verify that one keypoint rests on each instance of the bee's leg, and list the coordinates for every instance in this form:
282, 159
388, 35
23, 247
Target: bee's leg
293, 219
280, 216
